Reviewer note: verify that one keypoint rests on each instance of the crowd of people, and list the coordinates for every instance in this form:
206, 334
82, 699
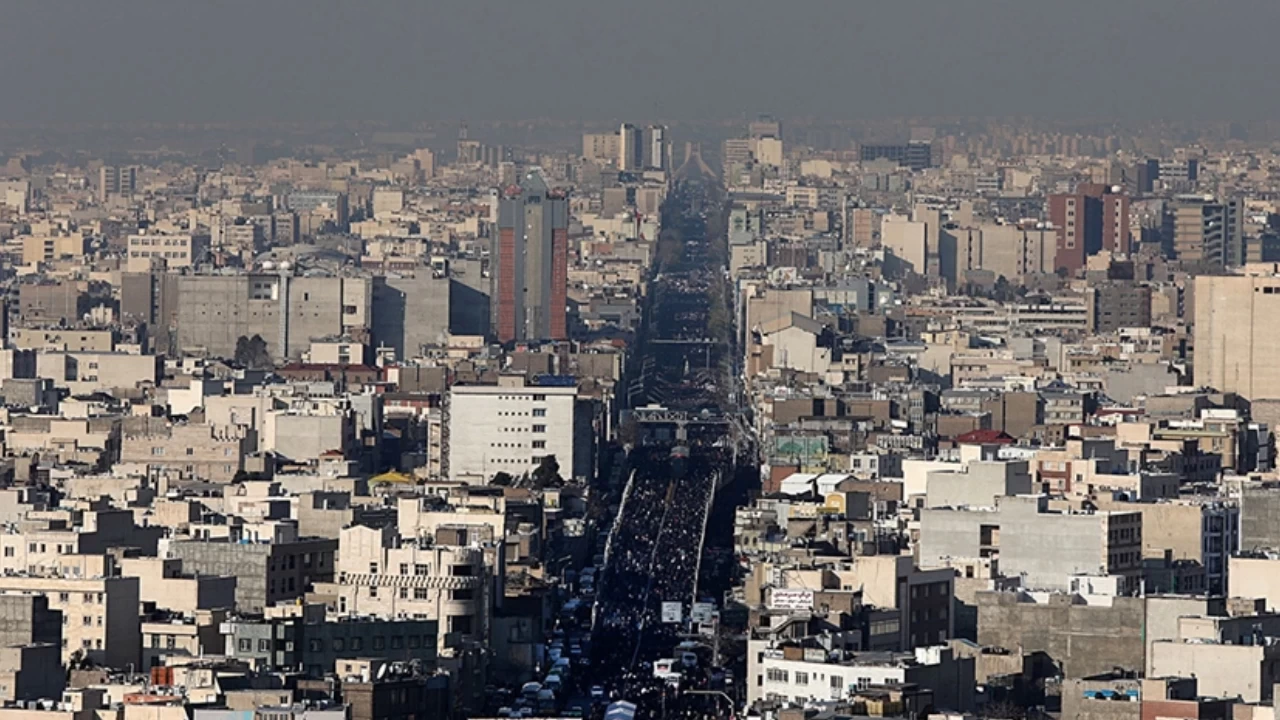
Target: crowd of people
653, 559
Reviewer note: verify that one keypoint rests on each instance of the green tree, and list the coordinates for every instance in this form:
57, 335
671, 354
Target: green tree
252, 352
547, 474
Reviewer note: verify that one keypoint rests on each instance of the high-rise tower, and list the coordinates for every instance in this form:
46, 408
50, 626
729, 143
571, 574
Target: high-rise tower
529, 262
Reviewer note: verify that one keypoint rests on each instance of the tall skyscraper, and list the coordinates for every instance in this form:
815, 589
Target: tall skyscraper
529, 262
655, 147
630, 148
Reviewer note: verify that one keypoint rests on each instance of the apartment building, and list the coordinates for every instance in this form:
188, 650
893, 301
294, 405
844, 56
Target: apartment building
309, 640
783, 674
100, 619
266, 573
454, 581
1235, 346
84, 373
163, 582
191, 450
70, 339
1045, 548
527, 423
214, 311
169, 637
46, 248
170, 251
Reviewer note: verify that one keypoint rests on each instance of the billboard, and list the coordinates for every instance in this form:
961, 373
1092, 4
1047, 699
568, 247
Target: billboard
788, 599
702, 612
805, 449
672, 612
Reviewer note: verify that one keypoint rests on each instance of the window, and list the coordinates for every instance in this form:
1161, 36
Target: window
776, 675
397, 641
155, 641
339, 644
8, 552
460, 624
420, 594
414, 642
404, 568
87, 620
404, 593
421, 570
802, 678
170, 641
379, 642
64, 597
243, 644
837, 682
539, 428
539, 398
358, 643
373, 568
539, 412
462, 594
264, 645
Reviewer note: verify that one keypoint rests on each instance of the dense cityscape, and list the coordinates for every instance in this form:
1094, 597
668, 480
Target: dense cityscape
763, 414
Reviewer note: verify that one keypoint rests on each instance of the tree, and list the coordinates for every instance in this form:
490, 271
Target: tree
547, 474
252, 352
503, 479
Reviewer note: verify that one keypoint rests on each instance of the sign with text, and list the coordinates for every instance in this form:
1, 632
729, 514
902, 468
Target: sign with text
672, 612
788, 599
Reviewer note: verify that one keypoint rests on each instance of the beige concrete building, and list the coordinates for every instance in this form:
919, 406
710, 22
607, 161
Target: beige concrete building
176, 251
100, 615
1235, 341
907, 240
1255, 576
45, 248
170, 636
62, 339
452, 582
194, 450
1221, 655
161, 581
602, 148
84, 373
1045, 548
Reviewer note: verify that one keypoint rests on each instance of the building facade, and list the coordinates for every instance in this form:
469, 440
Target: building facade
529, 263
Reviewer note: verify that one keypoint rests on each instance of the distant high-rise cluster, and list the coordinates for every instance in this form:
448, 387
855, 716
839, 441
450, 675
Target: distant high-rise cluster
632, 149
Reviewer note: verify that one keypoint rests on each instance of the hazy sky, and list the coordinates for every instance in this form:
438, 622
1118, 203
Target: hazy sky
188, 60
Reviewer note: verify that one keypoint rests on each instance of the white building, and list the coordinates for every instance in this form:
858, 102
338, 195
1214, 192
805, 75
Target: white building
509, 428
804, 675
177, 251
